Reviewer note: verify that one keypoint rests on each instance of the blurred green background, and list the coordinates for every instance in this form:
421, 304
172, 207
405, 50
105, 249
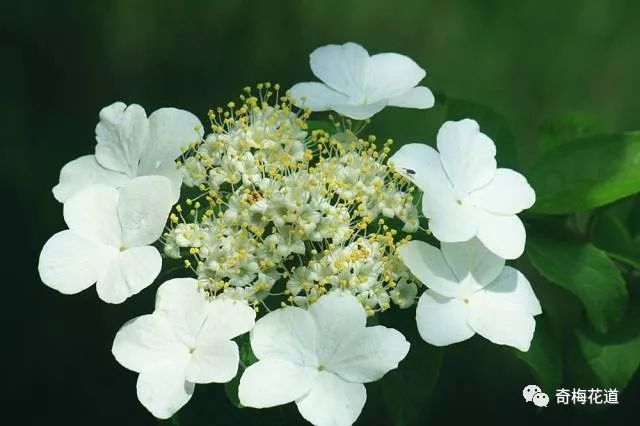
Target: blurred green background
63, 60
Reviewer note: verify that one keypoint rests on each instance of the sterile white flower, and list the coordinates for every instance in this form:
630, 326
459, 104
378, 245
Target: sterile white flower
320, 359
465, 194
357, 85
470, 291
186, 340
131, 145
108, 240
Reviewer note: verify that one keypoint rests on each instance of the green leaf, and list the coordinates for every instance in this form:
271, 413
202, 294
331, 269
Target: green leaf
613, 359
544, 356
406, 389
231, 389
320, 125
567, 128
586, 173
585, 271
609, 234
634, 219
492, 124
246, 359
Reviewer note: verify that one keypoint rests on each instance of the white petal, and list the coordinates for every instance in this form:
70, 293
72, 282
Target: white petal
145, 203
316, 96
147, 342
508, 193
449, 220
391, 75
286, 333
370, 355
421, 164
441, 320
339, 318
227, 319
272, 382
429, 265
359, 111
332, 401
502, 323
511, 287
184, 307
419, 97
169, 170
503, 235
471, 262
92, 213
169, 130
70, 263
163, 390
129, 272
468, 156
342, 67
82, 173
122, 136
214, 363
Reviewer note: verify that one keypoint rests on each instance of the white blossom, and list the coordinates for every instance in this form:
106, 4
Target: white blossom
320, 359
131, 145
186, 340
470, 291
108, 240
465, 194
357, 85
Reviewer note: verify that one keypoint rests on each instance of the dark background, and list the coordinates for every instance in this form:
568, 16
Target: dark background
61, 61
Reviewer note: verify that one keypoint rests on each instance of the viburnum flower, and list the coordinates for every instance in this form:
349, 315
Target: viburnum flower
320, 359
108, 240
470, 291
357, 85
131, 145
186, 340
465, 194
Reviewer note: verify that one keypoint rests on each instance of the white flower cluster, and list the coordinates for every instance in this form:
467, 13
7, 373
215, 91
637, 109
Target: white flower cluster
280, 210
312, 228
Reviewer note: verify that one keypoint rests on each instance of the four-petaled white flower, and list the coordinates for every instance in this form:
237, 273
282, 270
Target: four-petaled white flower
465, 195
186, 340
320, 359
108, 239
131, 145
470, 291
357, 85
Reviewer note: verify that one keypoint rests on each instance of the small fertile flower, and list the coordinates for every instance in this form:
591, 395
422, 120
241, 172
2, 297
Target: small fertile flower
357, 85
320, 359
131, 145
470, 291
186, 340
465, 194
108, 240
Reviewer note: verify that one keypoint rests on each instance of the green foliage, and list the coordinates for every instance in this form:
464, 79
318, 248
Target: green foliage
585, 271
406, 390
586, 173
544, 356
246, 359
610, 359
610, 234
320, 125
567, 128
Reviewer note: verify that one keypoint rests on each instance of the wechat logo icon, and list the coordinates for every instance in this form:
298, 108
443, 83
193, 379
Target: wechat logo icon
533, 393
